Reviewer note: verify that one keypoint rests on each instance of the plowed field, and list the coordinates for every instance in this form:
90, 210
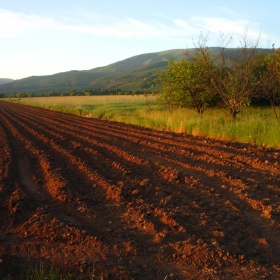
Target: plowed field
133, 203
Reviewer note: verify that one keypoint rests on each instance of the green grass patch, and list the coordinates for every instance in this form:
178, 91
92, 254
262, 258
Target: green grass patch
256, 126
40, 272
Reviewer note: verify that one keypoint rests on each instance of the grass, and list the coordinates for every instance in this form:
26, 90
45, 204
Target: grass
256, 126
40, 272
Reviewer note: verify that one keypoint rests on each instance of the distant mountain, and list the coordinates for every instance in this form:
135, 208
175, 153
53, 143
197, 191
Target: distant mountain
118, 73
140, 60
5, 81
128, 74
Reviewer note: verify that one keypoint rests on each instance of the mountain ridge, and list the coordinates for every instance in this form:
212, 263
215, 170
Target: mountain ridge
5, 81
128, 74
85, 79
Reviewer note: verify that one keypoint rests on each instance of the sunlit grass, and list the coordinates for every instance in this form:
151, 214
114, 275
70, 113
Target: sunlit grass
254, 125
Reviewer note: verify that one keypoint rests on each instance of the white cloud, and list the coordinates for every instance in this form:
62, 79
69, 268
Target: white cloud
227, 11
15, 24
127, 27
181, 23
238, 29
18, 24
221, 24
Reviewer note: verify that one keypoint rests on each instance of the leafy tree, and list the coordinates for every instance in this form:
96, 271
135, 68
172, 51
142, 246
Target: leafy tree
19, 95
186, 84
233, 77
87, 93
72, 92
269, 79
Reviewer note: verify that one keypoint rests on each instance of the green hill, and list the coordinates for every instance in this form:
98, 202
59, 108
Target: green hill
129, 74
5, 81
130, 80
126, 73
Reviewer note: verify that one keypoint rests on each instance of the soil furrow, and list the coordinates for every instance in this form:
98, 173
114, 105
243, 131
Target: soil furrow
133, 202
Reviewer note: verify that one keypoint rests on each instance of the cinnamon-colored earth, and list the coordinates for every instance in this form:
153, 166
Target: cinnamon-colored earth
131, 203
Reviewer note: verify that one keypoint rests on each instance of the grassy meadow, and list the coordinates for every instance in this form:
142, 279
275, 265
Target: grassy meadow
253, 125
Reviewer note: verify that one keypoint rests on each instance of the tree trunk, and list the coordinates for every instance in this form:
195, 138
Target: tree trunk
275, 112
233, 114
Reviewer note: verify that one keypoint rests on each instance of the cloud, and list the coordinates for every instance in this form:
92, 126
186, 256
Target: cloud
227, 11
221, 24
19, 24
125, 27
16, 24
216, 25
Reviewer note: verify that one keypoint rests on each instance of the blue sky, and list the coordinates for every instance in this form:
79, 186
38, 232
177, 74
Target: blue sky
46, 37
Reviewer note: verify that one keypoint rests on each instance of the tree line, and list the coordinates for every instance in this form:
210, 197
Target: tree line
232, 78
74, 92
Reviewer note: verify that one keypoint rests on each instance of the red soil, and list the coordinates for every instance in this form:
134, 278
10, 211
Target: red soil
132, 202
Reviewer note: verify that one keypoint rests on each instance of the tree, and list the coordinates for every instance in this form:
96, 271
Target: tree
186, 84
18, 95
72, 92
233, 77
269, 79
87, 93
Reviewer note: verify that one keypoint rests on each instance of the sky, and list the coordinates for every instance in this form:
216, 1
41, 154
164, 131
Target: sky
41, 37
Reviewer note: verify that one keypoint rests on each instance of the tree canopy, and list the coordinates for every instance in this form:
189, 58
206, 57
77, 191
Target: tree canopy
232, 77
